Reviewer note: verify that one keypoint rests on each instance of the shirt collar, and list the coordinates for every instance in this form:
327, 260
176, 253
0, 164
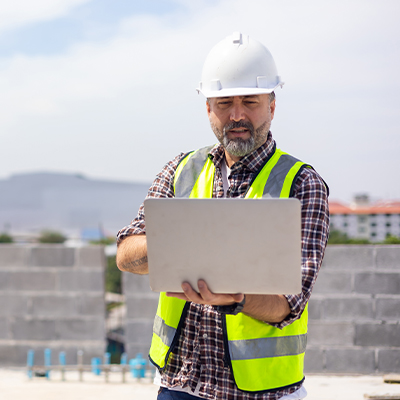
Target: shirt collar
253, 161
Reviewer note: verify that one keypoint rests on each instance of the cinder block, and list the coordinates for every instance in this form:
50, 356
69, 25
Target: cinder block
333, 282
348, 257
92, 256
359, 360
370, 334
14, 355
35, 309
4, 329
347, 309
81, 280
324, 333
52, 255
133, 283
80, 329
388, 257
92, 305
13, 305
139, 332
315, 308
388, 309
314, 360
134, 349
377, 283
32, 329
13, 256
389, 360
31, 280
54, 306
145, 307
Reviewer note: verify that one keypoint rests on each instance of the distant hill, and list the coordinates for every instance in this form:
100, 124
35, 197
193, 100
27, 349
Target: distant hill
67, 203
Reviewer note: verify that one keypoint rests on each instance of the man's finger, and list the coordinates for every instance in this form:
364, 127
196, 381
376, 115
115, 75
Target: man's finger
178, 295
191, 294
205, 292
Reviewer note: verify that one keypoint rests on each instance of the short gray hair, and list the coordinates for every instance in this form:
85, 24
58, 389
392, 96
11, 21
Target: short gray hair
271, 97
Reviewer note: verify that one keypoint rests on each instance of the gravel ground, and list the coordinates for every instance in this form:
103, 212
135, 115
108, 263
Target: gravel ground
15, 385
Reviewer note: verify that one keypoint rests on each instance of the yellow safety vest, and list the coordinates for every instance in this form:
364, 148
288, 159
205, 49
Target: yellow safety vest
262, 357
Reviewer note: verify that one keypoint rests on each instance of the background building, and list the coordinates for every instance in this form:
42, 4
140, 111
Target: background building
364, 219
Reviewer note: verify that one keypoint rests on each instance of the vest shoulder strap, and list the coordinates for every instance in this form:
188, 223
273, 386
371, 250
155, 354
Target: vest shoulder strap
189, 170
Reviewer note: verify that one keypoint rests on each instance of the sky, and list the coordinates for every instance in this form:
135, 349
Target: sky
107, 88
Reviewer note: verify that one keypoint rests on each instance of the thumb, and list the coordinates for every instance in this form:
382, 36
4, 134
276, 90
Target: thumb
238, 297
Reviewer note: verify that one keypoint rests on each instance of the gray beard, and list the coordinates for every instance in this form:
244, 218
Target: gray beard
239, 147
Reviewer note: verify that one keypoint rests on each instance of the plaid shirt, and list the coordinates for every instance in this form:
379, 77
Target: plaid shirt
199, 357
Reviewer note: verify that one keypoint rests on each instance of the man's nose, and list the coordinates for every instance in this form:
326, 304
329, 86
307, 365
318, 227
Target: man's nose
237, 113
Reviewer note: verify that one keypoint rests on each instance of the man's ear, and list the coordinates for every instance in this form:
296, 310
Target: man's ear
272, 106
208, 107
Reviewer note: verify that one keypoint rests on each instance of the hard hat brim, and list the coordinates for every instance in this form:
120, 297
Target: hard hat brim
230, 92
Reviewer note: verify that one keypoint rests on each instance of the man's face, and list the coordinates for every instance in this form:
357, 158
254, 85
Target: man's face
241, 123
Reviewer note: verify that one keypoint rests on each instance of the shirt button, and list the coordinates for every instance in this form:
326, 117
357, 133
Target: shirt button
205, 336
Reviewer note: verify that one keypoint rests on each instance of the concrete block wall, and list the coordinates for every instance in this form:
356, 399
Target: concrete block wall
354, 311
141, 307
51, 296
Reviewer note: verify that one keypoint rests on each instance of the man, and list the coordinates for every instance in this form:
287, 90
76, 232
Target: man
197, 361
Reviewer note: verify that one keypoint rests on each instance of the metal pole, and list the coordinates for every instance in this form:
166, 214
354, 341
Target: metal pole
62, 361
47, 362
80, 365
30, 362
106, 365
124, 359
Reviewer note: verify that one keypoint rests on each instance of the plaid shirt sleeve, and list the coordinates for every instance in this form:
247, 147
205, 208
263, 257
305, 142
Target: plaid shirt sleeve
312, 192
163, 186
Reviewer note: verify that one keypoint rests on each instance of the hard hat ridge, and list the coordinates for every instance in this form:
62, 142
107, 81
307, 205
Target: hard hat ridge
238, 66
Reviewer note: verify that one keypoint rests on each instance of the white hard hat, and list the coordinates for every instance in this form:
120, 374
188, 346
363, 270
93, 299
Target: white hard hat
238, 66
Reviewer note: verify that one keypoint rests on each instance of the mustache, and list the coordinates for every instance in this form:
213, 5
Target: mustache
239, 124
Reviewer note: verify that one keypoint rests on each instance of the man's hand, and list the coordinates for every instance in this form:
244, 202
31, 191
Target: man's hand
267, 308
205, 296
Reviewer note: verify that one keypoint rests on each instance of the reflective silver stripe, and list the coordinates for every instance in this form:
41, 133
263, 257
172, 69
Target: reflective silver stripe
165, 332
267, 347
276, 178
191, 172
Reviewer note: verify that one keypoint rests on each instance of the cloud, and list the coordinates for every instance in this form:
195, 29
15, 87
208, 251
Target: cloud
17, 13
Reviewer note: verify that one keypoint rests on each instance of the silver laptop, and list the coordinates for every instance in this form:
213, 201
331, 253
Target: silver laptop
235, 245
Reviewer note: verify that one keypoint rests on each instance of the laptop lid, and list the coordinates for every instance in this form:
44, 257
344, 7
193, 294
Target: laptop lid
235, 245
